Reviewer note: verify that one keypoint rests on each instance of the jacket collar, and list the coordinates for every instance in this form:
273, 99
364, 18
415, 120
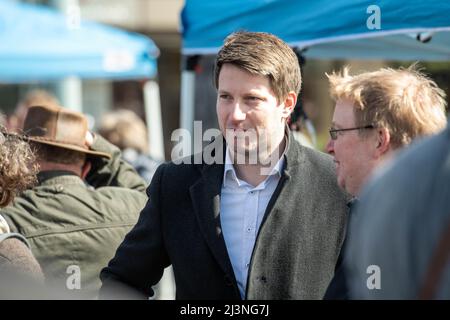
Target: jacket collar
57, 177
205, 196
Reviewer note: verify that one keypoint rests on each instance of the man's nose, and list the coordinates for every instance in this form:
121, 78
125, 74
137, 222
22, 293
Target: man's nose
237, 114
330, 147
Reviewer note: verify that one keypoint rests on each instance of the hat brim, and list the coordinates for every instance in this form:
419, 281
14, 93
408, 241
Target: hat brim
70, 147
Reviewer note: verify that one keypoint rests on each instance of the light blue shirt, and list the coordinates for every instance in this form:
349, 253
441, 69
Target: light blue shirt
242, 209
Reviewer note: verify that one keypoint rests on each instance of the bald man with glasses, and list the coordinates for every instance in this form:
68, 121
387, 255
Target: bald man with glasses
376, 114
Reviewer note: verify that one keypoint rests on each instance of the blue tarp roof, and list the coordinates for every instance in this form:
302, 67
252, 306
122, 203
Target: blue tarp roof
327, 29
39, 43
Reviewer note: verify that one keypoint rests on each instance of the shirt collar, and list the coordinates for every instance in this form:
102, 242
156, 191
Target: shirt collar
352, 204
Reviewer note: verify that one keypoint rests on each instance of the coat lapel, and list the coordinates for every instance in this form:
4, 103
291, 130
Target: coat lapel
291, 165
205, 195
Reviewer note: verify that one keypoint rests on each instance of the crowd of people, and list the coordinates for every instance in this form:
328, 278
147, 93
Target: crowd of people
84, 217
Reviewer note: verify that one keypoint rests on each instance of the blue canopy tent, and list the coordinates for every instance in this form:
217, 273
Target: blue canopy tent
341, 29
39, 43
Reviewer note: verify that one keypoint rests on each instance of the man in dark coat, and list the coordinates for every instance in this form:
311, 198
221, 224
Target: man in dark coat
255, 215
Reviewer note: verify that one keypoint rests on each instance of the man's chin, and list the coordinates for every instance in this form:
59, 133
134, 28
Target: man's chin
243, 148
245, 155
347, 188
243, 151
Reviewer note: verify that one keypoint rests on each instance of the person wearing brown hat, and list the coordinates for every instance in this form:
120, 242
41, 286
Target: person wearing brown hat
84, 203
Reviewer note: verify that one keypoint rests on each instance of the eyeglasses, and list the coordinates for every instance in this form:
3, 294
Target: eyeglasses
334, 132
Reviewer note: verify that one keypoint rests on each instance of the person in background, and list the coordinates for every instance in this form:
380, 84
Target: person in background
18, 169
126, 130
86, 199
377, 113
21, 276
400, 242
37, 97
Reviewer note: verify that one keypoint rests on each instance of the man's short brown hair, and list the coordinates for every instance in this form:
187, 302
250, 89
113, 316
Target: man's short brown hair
262, 54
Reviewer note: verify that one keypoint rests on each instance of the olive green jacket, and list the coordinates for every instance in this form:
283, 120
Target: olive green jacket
74, 228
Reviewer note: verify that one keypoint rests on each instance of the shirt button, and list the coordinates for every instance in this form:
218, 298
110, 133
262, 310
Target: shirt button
247, 265
249, 229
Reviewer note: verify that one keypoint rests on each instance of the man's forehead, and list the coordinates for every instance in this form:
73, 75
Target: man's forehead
345, 102
229, 69
343, 116
242, 90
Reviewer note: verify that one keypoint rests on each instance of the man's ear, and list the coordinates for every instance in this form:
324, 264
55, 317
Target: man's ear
85, 169
383, 141
289, 104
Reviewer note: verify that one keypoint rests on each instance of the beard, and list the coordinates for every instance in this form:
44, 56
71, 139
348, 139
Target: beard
250, 146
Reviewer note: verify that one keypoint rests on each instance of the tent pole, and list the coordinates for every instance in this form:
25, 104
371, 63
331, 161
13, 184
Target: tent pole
187, 100
153, 118
70, 89
70, 93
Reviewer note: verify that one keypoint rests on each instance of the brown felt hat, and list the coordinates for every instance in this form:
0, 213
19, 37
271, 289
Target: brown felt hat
59, 127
